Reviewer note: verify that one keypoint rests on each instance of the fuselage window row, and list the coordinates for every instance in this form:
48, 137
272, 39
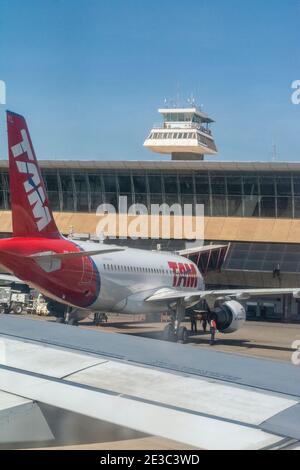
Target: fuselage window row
138, 269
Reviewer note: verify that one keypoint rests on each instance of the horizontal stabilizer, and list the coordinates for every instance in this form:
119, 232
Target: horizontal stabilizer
73, 254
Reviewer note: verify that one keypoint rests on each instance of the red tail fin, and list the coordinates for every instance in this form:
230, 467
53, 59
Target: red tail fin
31, 212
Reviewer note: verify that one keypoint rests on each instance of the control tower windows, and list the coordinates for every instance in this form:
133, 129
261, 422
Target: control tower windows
177, 117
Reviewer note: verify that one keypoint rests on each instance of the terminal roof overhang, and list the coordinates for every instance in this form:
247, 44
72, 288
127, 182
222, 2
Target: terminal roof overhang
165, 165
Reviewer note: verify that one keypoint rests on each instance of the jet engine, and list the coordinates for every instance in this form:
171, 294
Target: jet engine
230, 316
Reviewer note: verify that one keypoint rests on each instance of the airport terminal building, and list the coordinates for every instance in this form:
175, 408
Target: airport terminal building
253, 207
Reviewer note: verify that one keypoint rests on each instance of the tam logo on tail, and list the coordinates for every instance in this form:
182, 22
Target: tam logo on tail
33, 186
31, 211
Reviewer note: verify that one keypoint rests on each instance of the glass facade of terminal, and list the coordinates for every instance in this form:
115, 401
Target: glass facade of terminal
263, 257
274, 195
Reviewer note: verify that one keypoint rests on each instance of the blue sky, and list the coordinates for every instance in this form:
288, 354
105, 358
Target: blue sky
90, 74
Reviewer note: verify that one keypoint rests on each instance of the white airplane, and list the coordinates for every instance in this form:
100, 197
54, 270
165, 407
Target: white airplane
103, 278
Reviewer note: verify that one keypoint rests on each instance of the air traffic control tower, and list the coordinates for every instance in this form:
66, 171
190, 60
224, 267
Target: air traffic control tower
185, 134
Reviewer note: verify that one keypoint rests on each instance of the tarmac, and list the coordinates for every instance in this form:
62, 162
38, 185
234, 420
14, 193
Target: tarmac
254, 339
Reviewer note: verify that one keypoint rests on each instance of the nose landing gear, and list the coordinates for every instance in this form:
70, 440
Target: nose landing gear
174, 332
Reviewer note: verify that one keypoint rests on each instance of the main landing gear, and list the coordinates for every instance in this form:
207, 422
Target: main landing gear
174, 331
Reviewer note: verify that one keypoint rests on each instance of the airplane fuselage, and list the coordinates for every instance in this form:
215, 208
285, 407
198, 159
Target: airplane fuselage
113, 282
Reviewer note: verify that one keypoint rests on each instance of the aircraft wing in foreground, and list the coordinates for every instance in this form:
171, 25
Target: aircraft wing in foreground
201, 398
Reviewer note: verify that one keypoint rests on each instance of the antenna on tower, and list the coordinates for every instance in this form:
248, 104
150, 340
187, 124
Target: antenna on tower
191, 100
274, 152
177, 95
